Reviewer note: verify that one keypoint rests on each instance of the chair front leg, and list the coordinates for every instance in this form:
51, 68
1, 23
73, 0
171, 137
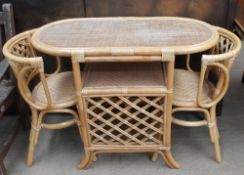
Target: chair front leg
215, 134
32, 138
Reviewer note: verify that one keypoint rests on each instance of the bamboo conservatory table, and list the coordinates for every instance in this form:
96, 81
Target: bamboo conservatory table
134, 116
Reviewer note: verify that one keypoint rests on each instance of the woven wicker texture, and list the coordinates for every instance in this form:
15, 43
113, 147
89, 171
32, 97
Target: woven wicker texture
96, 33
61, 88
186, 87
115, 121
123, 75
125, 33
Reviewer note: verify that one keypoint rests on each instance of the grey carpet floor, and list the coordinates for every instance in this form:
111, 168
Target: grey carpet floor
59, 152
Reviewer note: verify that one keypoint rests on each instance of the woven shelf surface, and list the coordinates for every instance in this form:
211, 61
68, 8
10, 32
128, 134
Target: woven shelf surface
124, 75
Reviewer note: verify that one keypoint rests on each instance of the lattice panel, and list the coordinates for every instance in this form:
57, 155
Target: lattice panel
22, 48
224, 45
125, 120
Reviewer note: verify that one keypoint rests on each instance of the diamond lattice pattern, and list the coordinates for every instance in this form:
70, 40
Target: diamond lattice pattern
123, 120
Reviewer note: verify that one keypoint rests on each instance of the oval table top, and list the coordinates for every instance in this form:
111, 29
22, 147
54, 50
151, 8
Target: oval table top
98, 36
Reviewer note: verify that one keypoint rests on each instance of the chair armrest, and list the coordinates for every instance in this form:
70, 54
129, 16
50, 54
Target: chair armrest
220, 89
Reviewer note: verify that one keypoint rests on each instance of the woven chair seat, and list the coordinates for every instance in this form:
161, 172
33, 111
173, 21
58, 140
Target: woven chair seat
61, 89
118, 77
186, 88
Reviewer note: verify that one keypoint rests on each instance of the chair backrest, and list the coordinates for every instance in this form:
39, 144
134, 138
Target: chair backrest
219, 62
26, 65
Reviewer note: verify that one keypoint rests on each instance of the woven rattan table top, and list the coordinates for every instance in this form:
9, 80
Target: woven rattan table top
98, 36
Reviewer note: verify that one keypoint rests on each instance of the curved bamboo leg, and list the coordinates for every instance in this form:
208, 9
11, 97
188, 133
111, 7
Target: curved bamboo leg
87, 160
154, 157
166, 160
217, 150
84, 136
34, 118
169, 158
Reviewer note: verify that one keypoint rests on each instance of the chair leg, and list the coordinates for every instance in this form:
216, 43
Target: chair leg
210, 127
32, 138
215, 134
154, 157
38, 125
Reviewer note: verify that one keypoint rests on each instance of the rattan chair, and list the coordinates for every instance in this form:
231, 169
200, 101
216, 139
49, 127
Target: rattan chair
124, 107
54, 93
194, 92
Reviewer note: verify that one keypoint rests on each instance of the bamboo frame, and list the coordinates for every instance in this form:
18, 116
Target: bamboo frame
161, 144
219, 62
26, 65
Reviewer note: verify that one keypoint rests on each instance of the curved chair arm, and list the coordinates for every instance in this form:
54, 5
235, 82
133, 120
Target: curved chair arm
23, 83
222, 84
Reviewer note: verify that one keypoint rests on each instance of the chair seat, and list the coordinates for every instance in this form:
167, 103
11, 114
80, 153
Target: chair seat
186, 88
61, 88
